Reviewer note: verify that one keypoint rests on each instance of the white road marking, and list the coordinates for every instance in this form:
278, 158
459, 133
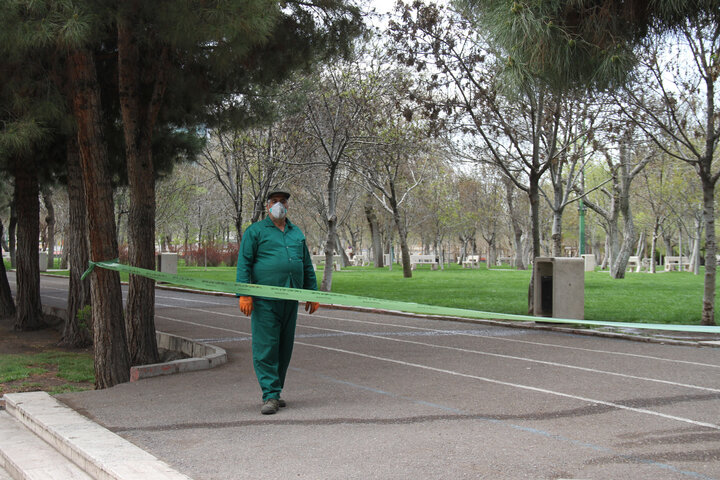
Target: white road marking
525, 359
517, 385
480, 352
476, 377
608, 352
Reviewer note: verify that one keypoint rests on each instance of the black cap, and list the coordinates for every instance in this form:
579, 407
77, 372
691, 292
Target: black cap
278, 192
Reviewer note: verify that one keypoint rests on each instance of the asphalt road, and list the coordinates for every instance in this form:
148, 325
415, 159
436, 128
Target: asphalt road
393, 397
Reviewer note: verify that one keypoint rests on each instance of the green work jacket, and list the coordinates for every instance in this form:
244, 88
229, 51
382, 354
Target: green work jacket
270, 256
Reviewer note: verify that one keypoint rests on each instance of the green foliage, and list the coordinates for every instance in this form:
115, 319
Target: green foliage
84, 317
577, 42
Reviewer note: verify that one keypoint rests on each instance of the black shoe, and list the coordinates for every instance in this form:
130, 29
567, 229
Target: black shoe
282, 403
271, 406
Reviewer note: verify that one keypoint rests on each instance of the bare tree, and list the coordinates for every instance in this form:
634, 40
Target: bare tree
686, 127
332, 120
623, 167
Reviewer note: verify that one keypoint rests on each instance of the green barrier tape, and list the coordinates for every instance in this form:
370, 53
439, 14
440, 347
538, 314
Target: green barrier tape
283, 293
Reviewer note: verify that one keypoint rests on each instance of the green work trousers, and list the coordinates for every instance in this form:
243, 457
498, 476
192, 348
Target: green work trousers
273, 335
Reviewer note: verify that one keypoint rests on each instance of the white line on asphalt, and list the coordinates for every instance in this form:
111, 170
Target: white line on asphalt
607, 352
476, 377
503, 339
516, 385
523, 359
479, 352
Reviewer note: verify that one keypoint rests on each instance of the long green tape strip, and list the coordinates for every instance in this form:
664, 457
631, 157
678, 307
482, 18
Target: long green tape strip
283, 293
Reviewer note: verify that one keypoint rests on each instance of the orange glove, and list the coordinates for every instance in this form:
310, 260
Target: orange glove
246, 305
310, 307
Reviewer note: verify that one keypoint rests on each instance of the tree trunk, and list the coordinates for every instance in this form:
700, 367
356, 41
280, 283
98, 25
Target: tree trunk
695, 256
78, 329
606, 257
50, 222
374, 233
12, 234
515, 222
112, 365
329, 252
404, 249
640, 251
557, 234
492, 252
653, 245
7, 304
613, 246
341, 251
138, 74
534, 197
331, 222
402, 233
708, 312
28, 315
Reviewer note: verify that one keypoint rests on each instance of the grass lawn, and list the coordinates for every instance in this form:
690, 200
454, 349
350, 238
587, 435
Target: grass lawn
667, 297
57, 371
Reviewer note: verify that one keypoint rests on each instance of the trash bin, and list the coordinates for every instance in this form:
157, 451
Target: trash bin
167, 262
559, 287
589, 262
43, 261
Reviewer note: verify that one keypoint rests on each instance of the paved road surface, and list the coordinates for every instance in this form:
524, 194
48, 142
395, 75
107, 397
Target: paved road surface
391, 397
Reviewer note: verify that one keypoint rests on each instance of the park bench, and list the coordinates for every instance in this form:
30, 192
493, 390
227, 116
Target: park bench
423, 260
506, 261
632, 263
361, 260
320, 260
676, 262
471, 261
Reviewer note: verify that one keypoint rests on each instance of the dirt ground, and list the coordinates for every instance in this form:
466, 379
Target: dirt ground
37, 341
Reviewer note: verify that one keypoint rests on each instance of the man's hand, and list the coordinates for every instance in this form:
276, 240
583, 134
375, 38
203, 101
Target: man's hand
246, 305
310, 307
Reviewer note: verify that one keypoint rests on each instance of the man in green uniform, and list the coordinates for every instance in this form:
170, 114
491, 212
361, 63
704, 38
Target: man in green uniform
273, 252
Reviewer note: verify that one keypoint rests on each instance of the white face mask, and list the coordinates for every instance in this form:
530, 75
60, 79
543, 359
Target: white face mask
278, 211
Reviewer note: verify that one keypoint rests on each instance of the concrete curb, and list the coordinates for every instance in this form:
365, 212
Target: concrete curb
203, 355
96, 450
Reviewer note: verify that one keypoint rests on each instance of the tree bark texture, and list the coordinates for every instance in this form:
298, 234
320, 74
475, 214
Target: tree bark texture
653, 245
78, 328
50, 223
374, 233
331, 222
402, 232
28, 314
708, 312
534, 197
514, 220
12, 234
7, 304
112, 365
142, 83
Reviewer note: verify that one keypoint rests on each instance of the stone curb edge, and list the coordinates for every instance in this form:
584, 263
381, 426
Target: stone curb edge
202, 355
99, 452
